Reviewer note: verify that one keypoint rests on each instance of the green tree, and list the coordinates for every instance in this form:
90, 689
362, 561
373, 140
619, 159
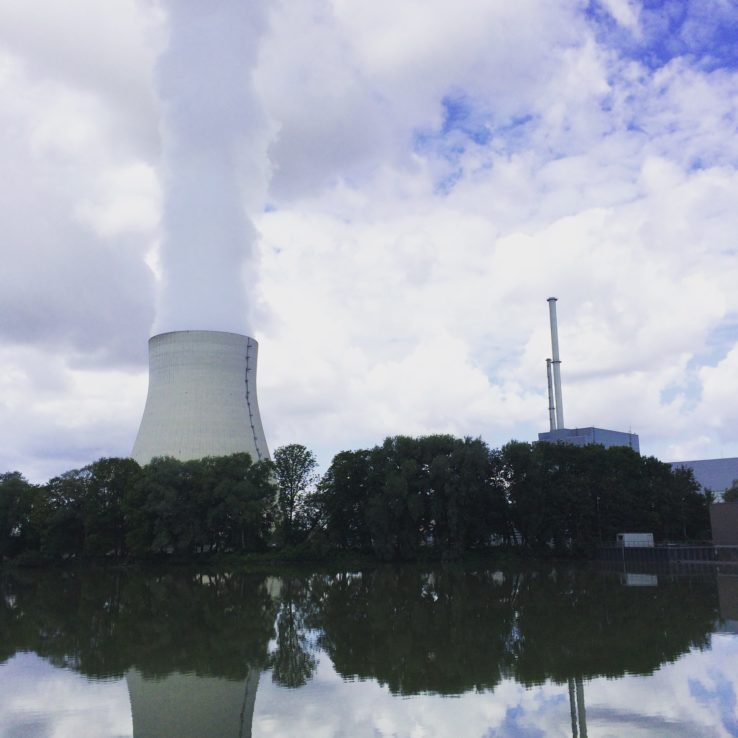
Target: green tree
294, 468
731, 494
204, 505
103, 518
162, 509
16, 502
397, 511
61, 514
526, 481
239, 499
342, 499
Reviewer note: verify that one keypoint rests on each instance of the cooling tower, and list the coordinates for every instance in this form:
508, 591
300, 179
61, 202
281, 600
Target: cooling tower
202, 398
191, 706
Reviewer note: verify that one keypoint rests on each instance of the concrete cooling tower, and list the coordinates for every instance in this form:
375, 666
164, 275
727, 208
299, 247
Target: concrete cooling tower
191, 706
202, 398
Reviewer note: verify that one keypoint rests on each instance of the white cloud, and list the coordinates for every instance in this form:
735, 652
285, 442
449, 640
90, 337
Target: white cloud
40, 700
625, 12
437, 172
665, 703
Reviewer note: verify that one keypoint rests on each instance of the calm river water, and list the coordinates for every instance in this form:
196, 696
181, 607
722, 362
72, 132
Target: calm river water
387, 651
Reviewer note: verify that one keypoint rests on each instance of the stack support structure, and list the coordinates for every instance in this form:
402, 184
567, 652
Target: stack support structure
551, 405
202, 398
556, 361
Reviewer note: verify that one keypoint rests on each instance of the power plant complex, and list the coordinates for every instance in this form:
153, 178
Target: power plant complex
202, 398
711, 474
558, 432
202, 401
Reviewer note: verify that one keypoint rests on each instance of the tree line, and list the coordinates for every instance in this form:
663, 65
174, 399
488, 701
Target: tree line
405, 499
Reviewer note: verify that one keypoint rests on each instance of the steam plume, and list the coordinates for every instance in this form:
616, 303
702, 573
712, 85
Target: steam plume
214, 143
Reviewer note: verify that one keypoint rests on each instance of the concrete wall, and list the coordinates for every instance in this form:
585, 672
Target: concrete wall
724, 522
202, 398
587, 436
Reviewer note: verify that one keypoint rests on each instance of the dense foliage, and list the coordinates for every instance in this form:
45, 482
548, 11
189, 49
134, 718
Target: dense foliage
731, 494
408, 498
115, 508
451, 495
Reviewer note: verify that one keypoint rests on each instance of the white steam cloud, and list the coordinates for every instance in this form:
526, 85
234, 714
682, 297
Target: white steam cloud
214, 133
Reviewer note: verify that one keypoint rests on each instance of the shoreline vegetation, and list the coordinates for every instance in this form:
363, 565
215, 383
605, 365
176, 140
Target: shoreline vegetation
409, 499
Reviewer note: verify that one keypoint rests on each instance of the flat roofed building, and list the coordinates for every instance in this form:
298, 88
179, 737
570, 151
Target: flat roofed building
591, 435
713, 474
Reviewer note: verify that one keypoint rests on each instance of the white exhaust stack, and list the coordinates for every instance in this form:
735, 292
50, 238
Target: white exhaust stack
202, 398
551, 406
556, 361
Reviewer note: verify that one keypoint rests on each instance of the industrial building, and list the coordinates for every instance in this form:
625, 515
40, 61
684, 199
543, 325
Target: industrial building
558, 432
587, 436
202, 398
724, 523
717, 475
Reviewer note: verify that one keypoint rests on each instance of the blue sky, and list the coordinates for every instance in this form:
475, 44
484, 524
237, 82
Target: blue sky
419, 178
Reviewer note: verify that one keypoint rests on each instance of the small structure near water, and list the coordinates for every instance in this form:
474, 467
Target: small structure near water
635, 540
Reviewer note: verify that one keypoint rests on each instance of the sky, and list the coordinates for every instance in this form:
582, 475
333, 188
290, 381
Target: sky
416, 179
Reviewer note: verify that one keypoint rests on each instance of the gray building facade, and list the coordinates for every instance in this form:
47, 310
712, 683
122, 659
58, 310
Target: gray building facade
591, 435
724, 522
713, 474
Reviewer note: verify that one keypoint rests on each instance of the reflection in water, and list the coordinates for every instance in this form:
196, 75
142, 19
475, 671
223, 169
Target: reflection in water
728, 594
190, 706
192, 645
577, 708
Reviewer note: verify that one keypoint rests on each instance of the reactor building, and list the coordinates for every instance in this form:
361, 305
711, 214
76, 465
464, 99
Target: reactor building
202, 398
558, 432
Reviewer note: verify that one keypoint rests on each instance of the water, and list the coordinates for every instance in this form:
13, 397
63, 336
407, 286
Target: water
387, 651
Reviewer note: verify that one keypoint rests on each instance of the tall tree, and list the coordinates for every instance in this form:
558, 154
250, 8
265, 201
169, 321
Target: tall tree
731, 494
103, 519
62, 514
16, 501
294, 467
342, 499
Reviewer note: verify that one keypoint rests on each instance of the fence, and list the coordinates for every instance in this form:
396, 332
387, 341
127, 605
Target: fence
676, 554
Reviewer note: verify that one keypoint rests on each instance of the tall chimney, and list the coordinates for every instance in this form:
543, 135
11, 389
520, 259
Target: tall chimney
202, 398
556, 361
551, 406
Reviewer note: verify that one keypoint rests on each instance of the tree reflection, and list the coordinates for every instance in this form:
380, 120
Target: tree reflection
104, 624
414, 629
293, 662
450, 631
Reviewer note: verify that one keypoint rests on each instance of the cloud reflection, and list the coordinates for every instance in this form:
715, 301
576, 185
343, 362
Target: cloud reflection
38, 700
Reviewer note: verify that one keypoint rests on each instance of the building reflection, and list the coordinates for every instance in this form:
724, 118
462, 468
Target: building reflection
211, 704
577, 708
191, 706
728, 596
